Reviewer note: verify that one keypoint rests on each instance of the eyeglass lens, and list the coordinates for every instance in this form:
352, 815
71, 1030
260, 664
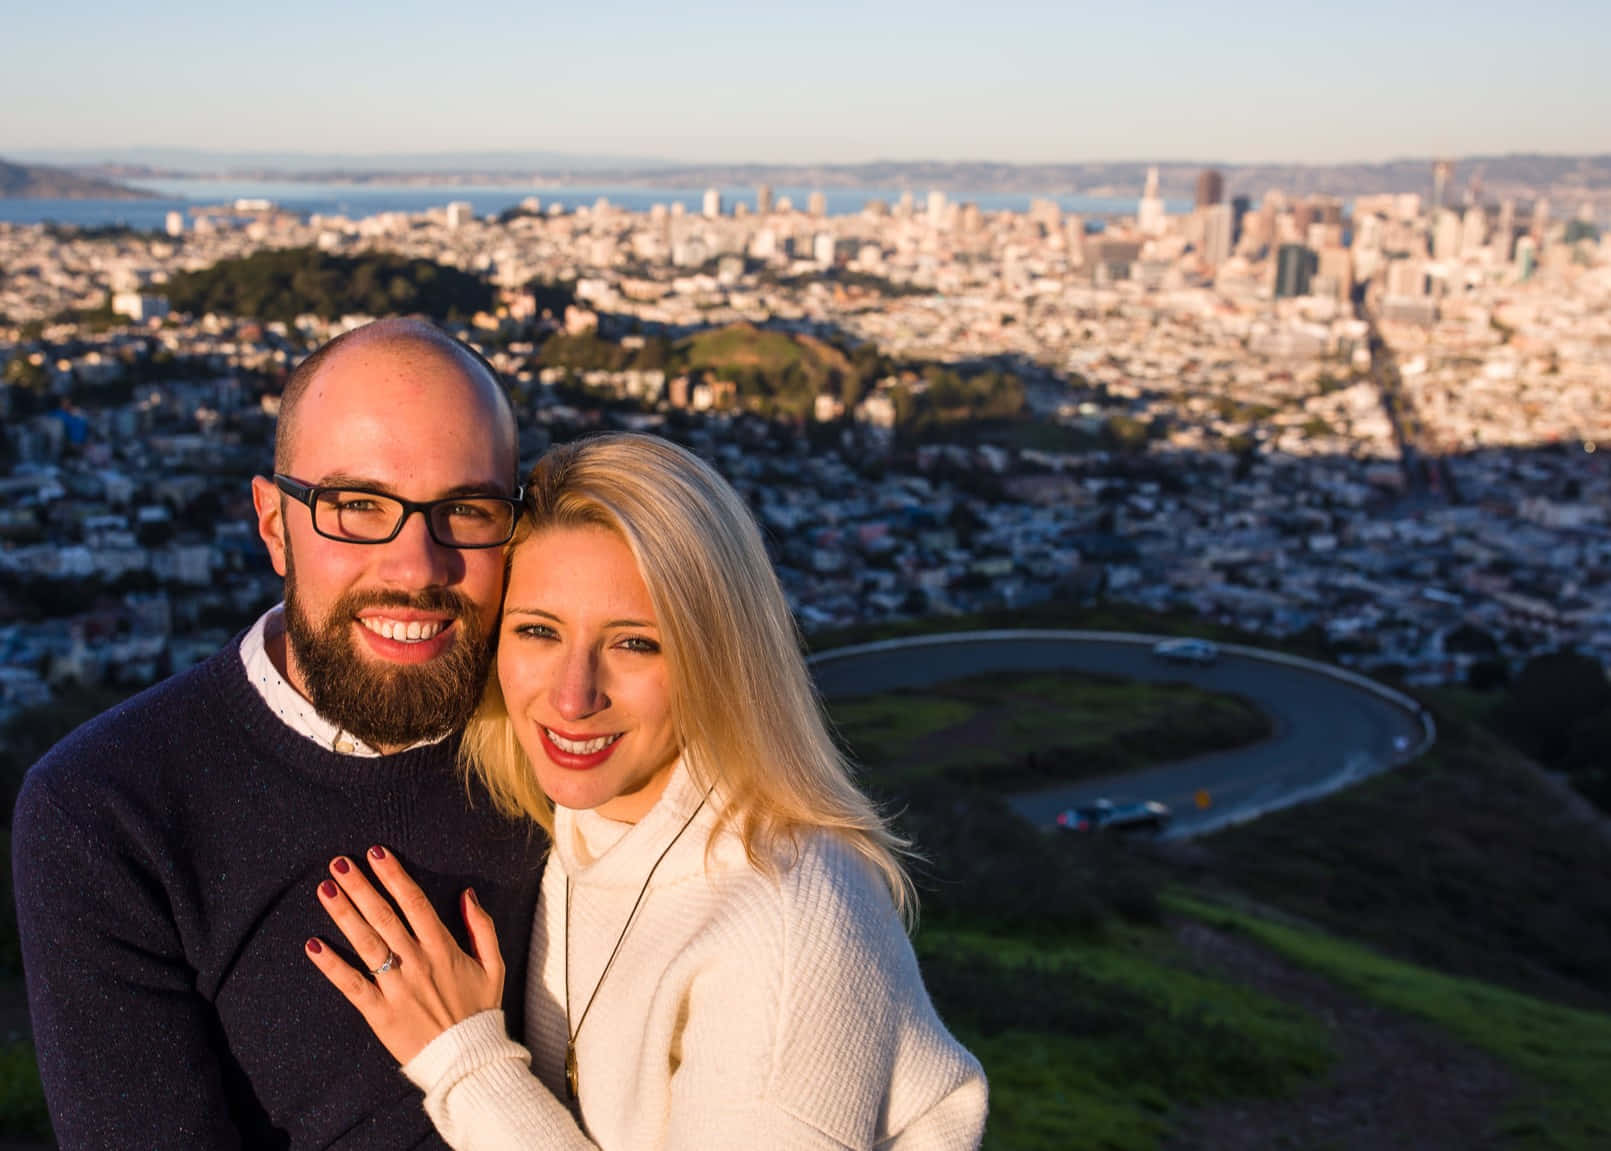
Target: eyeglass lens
354, 515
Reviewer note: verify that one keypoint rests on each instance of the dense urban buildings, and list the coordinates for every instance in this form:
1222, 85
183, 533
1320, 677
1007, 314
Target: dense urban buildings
1380, 423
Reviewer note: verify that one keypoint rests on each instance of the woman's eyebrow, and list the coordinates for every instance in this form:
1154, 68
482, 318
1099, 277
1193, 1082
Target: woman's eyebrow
511, 610
537, 611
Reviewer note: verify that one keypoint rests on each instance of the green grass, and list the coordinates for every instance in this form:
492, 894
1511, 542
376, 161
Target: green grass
1464, 861
743, 346
1093, 1043
1027, 730
1563, 1052
23, 1114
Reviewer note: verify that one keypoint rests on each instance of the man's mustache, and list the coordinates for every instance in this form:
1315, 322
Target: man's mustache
439, 601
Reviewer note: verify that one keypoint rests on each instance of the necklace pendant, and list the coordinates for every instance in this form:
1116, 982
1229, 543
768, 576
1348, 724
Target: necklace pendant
570, 1071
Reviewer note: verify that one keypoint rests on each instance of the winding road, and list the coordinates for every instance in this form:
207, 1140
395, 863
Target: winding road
1332, 727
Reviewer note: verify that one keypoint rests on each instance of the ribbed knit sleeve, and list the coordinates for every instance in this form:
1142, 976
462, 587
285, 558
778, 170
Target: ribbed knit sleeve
480, 1093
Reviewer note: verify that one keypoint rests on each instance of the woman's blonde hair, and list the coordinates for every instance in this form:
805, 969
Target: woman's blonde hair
747, 712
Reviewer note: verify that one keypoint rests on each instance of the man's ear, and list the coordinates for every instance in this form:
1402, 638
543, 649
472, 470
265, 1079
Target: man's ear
267, 500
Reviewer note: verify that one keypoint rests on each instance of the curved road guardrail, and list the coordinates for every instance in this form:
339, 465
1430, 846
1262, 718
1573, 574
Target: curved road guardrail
1333, 727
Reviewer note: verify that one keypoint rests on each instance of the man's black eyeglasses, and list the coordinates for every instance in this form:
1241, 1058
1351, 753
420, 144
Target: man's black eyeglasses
359, 516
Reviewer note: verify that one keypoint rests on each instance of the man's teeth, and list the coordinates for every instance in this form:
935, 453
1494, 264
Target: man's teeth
414, 631
581, 747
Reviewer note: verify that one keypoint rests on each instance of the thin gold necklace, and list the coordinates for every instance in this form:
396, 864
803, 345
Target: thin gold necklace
572, 1087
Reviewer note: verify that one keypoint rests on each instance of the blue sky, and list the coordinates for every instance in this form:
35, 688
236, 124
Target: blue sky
1251, 81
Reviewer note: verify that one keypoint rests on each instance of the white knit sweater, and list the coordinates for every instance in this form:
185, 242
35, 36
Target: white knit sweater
743, 1010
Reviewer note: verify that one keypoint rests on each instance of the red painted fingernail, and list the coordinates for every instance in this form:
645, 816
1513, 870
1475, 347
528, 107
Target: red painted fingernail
341, 867
314, 947
327, 889
377, 852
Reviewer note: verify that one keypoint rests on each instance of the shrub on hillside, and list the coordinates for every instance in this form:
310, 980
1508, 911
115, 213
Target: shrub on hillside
1552, 696
984, 865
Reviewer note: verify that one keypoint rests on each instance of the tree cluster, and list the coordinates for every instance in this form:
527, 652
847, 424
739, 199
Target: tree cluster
1558, 710
281, 284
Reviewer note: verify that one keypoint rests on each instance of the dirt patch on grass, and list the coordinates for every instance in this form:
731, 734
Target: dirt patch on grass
1397, 1082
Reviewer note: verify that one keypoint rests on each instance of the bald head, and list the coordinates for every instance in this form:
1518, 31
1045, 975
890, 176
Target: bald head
400, 342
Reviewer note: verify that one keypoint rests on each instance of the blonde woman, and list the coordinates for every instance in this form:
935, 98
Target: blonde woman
719, 957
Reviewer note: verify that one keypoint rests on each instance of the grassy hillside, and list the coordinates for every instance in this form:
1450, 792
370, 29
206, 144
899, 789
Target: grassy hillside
1020, 732
1563, 1054
1457, 894
741, 347
1467, 860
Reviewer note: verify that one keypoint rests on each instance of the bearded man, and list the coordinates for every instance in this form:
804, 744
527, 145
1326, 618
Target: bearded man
166, 854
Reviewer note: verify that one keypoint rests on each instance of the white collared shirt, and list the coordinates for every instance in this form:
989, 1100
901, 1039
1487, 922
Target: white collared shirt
289, 704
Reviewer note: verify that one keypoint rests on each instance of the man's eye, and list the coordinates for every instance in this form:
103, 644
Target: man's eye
356, 504
469, 513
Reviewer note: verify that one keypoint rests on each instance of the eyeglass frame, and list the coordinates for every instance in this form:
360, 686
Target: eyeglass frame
306, 494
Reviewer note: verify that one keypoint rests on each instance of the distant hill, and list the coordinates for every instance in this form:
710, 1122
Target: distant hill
740, 347
1567, 178
37, 182
1514, 175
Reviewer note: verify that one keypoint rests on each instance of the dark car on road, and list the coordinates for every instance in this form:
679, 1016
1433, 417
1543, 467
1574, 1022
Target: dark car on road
1105, 815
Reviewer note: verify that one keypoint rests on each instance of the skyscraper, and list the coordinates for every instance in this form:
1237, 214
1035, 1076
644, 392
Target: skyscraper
1442, 170
763, 199
713, 203
817, 204
1150, 212
1240, 206
1505, 231
1294, 268
1219, 233
1210, 188
1473, 230
1446, 233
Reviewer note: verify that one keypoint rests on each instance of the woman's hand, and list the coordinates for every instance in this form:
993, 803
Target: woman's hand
431, 984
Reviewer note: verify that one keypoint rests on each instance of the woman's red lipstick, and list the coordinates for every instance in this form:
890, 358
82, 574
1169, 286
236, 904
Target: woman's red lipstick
570, 759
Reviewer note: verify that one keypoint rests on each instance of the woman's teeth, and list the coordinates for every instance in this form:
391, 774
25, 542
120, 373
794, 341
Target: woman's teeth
581, 747
414, 631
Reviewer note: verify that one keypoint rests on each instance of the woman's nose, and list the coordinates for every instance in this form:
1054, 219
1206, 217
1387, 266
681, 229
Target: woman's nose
579, 691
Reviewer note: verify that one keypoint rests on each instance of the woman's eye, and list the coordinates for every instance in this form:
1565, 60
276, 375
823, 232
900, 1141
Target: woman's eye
640, 644
535, 631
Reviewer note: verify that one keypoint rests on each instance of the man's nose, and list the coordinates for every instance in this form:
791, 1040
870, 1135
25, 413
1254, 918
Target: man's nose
413, 559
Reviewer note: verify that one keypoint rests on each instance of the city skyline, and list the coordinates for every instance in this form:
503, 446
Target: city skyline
717, 84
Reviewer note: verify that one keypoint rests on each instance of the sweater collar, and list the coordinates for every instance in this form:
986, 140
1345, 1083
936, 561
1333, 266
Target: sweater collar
297, 712
601, 852
258, 725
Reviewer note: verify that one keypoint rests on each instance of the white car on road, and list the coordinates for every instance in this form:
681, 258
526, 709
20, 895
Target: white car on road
1198, 651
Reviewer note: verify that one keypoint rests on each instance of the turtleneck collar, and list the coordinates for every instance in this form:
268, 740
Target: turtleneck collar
597, 851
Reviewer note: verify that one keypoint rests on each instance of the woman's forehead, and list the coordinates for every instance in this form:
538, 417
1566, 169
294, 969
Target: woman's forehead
583, 571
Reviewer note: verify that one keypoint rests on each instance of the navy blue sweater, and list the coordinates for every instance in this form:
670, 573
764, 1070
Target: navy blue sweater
166, 856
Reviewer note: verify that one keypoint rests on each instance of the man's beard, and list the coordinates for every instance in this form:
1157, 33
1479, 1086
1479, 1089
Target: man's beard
388, 705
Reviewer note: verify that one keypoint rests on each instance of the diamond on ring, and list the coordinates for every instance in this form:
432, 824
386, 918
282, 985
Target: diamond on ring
391, 962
